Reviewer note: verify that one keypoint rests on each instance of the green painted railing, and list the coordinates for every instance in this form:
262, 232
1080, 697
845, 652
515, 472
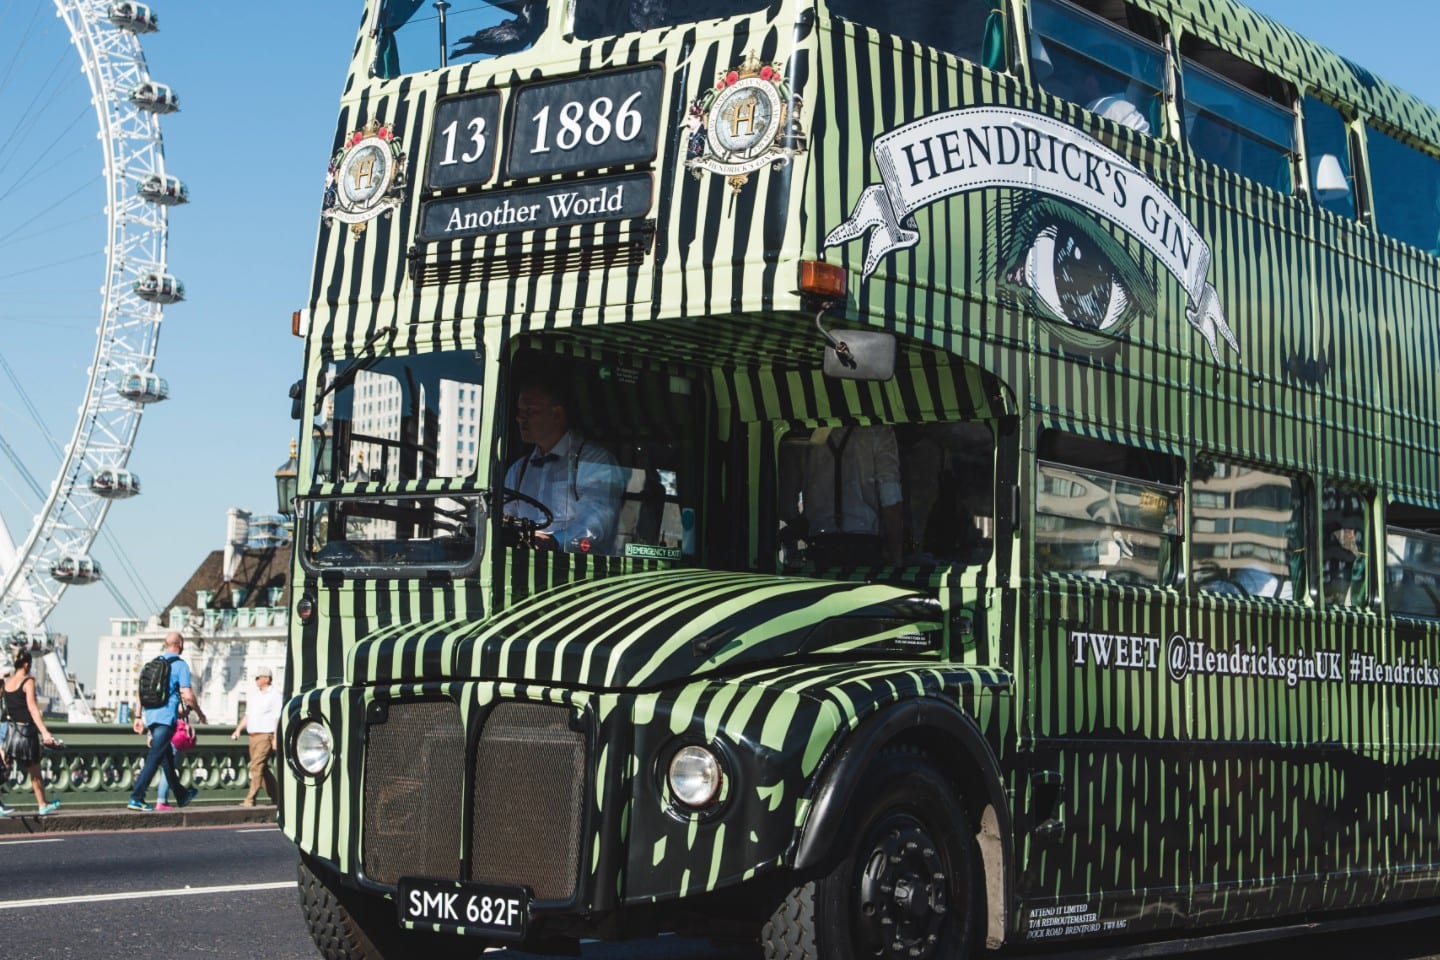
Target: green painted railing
98, 764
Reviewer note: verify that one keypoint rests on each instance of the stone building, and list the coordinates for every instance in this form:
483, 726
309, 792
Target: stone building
233, 612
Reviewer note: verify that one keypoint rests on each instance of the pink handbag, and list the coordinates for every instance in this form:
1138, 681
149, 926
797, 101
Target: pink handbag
185, 735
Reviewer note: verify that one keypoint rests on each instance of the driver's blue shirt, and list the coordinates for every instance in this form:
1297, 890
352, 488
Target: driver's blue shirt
581, 484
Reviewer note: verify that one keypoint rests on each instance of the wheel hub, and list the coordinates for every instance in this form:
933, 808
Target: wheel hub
903, 892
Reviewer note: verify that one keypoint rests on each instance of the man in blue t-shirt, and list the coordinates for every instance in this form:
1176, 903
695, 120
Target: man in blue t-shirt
160, 722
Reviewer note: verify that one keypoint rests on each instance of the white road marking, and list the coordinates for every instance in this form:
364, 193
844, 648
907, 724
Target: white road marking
40, 840
258, 830
145, 895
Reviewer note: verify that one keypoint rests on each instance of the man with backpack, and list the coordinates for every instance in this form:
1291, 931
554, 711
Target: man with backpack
164, 685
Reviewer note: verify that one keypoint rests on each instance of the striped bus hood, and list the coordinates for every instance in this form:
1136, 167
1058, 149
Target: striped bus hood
651, 629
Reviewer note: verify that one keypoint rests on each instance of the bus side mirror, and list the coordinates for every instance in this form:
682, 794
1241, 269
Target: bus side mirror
858, 354
297, 395
861, 355
1330, 182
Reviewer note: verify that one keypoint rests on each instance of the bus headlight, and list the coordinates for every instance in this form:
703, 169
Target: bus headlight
313, 747
695, 776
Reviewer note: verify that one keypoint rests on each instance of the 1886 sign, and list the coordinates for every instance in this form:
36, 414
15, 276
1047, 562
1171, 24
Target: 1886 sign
586, 123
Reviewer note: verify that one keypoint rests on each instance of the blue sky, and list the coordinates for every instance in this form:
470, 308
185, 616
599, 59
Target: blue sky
259, 88
259, 92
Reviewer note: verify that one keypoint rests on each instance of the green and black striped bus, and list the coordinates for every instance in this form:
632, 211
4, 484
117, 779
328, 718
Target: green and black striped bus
875, 479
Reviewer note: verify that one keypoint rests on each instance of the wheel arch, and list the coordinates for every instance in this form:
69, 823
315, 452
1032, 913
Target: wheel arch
960, 750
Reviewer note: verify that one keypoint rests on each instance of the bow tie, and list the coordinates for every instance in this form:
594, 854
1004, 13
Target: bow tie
543, 459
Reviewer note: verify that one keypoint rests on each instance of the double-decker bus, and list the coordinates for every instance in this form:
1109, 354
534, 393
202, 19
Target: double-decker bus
874, 479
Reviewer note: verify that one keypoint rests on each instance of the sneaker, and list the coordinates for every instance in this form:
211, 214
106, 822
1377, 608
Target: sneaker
190, 794
48, 808
166, 806
138, 805
6, 811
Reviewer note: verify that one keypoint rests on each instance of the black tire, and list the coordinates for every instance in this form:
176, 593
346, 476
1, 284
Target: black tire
348, 925
905, 871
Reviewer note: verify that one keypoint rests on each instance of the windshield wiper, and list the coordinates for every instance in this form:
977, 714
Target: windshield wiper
361, 361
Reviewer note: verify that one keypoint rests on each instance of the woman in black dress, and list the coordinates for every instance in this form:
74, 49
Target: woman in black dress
27, 728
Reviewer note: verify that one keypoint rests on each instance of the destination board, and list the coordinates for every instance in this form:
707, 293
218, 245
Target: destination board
537, 208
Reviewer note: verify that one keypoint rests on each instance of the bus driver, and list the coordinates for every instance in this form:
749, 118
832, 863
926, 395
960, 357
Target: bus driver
578, 481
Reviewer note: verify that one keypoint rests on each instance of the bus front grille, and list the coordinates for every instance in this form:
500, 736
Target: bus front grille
414, 780
529, 799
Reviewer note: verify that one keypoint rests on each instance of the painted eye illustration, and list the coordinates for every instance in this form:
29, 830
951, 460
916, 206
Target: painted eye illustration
1073, 280
1072, 271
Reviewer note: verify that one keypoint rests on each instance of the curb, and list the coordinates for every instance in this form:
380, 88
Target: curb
119, 818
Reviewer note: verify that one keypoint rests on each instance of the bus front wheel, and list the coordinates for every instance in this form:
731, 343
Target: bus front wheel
903, 883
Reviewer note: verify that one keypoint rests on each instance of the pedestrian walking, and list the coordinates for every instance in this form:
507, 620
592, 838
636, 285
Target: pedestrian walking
27, 730
262, 717
163, 687
183, 740
5, 670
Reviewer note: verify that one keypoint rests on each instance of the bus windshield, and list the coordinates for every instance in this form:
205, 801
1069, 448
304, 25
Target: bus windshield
400, 419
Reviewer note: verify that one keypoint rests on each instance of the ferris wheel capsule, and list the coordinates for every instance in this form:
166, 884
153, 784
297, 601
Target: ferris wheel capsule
76, 570
143, 387
159, 288
134, 17
164, 189
155, 97
113, 484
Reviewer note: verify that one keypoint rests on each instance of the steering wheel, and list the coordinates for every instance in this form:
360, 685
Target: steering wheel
520, 531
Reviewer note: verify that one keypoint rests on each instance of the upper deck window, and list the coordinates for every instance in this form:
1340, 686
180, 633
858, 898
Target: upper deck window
1406, 185
1098, 64
595, 19
973, 29
1238, 116
413, 36
1412, 561
1326, 135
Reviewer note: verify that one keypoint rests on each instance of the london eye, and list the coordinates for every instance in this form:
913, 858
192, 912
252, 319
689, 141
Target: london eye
57, 495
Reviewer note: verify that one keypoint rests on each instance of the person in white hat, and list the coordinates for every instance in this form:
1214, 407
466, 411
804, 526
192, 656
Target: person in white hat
262, 718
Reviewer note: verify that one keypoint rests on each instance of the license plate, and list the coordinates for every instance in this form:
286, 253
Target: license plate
484, 909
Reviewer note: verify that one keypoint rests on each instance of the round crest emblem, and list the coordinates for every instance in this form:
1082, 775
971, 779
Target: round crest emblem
364, 174
365, 177
747, 121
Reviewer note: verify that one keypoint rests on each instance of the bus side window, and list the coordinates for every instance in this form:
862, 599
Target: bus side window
1106, 511
1326, 135
1406, 185
973, 29
1238, 116
912, 493
1344, 546
1102, 65
1249, 537
1412, 561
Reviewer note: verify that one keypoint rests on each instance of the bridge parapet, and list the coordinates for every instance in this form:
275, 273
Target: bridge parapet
99, 763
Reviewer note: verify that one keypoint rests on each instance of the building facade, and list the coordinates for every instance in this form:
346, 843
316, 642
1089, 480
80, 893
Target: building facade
233, 613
